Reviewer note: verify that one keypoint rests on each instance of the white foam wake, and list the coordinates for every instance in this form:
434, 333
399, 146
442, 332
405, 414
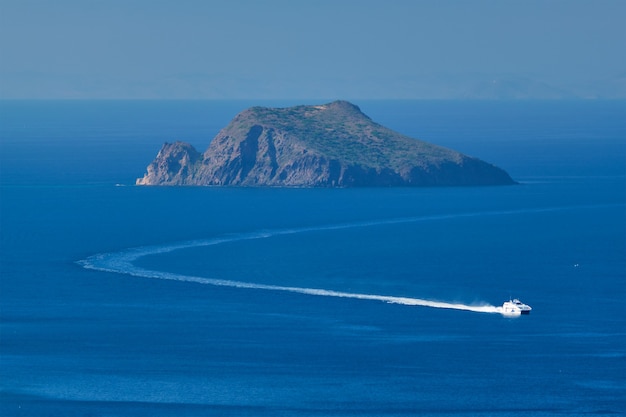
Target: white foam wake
123, 262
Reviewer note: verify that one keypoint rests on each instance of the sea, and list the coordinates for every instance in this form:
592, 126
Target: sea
120, 300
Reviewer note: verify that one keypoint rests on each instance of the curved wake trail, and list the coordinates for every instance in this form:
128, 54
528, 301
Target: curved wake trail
123, 262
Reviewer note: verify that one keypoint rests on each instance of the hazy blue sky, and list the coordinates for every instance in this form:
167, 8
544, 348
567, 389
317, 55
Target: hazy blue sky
312, 49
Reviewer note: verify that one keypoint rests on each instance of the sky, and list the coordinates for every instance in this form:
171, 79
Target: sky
290, 49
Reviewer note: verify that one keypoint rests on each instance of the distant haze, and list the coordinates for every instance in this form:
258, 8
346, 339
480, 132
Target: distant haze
351, 49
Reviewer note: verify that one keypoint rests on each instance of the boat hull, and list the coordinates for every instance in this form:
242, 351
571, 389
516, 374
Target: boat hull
515, 308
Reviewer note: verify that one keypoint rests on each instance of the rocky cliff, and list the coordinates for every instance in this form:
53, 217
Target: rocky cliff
331, 145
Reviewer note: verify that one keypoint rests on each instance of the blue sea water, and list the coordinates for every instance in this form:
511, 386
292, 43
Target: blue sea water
85, 342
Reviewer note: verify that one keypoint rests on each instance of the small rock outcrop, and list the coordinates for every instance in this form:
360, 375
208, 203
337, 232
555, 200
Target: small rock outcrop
331, 145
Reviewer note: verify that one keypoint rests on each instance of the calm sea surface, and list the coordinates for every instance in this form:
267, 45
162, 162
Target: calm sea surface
108, 297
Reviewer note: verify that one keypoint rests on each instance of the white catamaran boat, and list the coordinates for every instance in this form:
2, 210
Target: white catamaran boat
515, 307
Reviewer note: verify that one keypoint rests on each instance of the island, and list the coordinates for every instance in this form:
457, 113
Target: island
329, 145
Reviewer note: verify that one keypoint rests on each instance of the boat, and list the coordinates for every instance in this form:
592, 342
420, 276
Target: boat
515, 307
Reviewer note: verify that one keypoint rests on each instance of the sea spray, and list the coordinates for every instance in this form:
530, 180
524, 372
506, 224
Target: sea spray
123, 262
120, 266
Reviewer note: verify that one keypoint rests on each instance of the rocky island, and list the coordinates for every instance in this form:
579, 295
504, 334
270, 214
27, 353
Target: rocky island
330, 145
